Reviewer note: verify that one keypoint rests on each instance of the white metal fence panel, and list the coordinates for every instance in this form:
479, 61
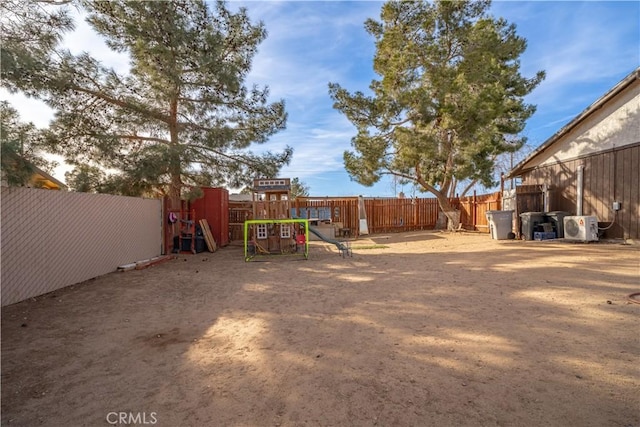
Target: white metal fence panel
52, 239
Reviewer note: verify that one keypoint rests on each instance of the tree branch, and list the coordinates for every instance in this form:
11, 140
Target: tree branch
126, 105
240, 159
136, 137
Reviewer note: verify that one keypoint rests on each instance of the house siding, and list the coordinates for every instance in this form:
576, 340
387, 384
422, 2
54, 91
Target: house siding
614, 125
612, 175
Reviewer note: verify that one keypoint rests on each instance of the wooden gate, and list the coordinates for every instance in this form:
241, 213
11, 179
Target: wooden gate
528, 198
473, 210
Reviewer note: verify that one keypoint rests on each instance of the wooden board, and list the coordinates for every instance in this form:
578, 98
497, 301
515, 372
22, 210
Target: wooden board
208, 237
139, 265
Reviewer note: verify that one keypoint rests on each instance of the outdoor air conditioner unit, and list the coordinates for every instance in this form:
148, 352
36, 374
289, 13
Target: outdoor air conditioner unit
581, 228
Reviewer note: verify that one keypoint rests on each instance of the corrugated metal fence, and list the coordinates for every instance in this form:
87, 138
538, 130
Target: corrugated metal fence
52, 239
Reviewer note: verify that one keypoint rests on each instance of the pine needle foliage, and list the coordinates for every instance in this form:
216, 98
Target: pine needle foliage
449, 100
181, 117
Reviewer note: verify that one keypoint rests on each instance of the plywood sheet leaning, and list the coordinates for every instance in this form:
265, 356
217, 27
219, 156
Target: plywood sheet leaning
208, 237
139, 265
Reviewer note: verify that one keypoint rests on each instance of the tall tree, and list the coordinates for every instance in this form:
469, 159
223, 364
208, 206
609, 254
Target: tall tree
299, 188
31, 31
85, 179
182, 117
449, 94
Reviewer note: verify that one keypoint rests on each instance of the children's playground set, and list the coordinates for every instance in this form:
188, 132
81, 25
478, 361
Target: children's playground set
274, 232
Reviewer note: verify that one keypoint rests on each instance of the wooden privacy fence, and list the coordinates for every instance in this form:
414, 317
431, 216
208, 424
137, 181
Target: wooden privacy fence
341, 210
391, 214
239, 212
525, 198
386, 215
473, 210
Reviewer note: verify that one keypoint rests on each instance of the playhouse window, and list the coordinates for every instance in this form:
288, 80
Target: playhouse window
261, 231
285, 232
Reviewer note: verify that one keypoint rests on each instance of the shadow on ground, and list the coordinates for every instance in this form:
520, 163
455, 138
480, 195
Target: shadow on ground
437, 330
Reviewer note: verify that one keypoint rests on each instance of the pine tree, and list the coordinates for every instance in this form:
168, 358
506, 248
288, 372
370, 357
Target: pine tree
182, 116
449, 94
31, 31
299, 188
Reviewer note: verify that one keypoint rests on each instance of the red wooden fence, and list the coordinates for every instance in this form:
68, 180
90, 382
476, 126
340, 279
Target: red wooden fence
390, 214
473, 210
386, 215
342, 210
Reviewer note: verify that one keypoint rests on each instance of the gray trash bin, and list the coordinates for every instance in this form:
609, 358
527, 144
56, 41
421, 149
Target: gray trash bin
557, 219
530, 222
500, 224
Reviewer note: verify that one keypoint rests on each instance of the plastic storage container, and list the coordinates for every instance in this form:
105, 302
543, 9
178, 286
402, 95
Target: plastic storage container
557, 219
530, 222
500, 224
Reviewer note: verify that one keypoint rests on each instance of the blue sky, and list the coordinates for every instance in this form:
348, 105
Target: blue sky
584, 47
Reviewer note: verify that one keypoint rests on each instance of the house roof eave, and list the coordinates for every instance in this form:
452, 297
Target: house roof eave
43, 176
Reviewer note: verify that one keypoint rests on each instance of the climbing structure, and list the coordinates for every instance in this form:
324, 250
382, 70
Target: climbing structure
271, 198
272, 231
275, 237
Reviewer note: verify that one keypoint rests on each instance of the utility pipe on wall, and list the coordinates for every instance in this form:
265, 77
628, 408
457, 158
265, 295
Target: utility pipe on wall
580, 185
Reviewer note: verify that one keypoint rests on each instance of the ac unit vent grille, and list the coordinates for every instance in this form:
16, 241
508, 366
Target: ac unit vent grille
581, 228
571, 228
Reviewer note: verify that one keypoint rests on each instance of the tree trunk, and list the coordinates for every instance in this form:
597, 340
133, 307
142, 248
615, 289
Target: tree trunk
452, 214
175, 168
174, 192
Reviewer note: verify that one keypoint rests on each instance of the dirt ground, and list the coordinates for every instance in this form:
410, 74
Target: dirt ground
416, 329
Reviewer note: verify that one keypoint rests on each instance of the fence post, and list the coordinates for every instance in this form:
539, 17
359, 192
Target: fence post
475, 210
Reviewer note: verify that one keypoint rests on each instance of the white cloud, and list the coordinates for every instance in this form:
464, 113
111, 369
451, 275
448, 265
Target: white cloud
30, 109
85, 40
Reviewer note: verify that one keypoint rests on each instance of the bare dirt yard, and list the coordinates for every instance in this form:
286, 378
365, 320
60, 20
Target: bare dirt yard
416, 329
